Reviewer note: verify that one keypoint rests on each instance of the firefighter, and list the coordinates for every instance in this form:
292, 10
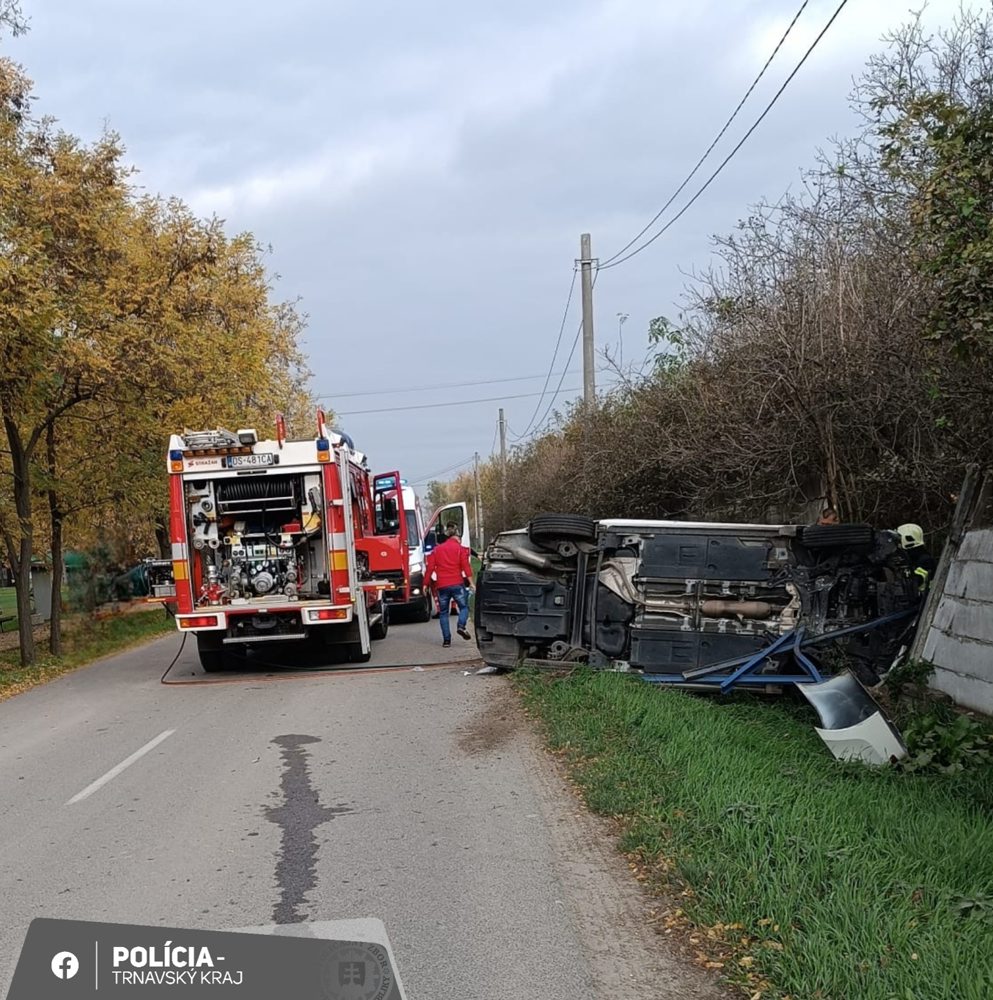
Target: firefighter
922, 563
449, 573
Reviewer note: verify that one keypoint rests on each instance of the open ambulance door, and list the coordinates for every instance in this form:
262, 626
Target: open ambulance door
453, 513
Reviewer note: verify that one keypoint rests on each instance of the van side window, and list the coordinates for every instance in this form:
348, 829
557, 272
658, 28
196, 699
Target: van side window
413, 535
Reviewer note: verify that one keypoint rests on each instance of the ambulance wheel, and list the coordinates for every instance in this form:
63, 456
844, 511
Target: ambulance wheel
424, 609
211, 652
379, 630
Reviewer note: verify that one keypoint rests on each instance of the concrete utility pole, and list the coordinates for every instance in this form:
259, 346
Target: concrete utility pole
503, 468
480, 530
586, 269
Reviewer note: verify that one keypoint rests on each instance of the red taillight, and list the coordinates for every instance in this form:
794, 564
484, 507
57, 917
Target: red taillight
328, 614
199, 621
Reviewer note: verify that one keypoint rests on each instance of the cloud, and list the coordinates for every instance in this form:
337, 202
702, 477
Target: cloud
422, 103
423, 171
328, 177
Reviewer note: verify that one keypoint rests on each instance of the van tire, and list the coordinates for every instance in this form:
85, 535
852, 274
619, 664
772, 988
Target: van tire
558, 527
424, 609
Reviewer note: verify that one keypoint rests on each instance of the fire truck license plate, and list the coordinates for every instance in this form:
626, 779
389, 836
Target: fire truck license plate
247, 461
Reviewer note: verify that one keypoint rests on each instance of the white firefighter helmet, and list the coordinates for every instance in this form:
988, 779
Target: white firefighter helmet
911, 536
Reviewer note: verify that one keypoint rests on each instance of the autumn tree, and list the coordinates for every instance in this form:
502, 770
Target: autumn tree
120, 320
12, 17
209, 347
931, 100
436, 494
205, 346
62, 208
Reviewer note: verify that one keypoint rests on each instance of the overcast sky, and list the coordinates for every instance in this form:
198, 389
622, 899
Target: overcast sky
423, 171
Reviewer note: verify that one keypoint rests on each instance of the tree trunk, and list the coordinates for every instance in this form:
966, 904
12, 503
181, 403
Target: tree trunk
22, 583
19, 549
55, 515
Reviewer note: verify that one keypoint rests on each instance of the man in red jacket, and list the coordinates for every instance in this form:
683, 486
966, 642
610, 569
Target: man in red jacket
449, 573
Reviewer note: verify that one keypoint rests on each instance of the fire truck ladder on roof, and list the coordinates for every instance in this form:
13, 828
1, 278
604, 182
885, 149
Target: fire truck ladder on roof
219, 438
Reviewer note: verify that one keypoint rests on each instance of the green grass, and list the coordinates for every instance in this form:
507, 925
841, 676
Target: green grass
849, 883
82, 644
8, 606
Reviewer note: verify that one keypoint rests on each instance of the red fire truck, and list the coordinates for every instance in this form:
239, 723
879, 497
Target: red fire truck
397, 551
396, 554
266, 538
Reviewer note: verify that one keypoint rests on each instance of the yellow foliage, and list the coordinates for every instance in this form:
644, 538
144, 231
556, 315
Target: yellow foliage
122, 319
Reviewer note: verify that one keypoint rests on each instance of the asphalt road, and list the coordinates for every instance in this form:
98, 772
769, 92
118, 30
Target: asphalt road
418, 796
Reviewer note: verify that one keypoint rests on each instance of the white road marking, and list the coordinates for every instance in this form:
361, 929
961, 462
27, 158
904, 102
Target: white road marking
124, 764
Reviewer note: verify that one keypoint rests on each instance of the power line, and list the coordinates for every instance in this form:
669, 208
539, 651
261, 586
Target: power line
441, 472
458, 402
440, 385
555, 354
616, 259
720, 135
558, 389
540, 425
730, 155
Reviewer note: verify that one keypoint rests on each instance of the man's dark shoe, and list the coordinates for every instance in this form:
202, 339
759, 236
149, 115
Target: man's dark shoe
447, 642
464, 632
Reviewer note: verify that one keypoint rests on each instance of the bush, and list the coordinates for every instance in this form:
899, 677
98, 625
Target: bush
946, 745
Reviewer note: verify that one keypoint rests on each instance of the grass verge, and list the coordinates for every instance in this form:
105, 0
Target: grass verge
8, 606
83, 643
813, 878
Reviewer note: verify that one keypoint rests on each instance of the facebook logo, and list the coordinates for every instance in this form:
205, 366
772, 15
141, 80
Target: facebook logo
65, 965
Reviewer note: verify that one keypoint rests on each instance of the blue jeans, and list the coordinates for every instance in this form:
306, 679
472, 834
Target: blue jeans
445, 597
